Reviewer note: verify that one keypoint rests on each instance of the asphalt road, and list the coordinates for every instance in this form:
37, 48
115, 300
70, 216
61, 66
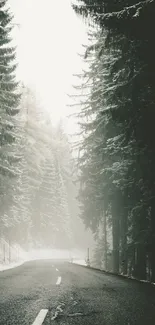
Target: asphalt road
74, 295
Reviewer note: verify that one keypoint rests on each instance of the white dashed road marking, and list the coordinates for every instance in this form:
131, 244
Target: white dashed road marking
58, 280
41, 317
57, 270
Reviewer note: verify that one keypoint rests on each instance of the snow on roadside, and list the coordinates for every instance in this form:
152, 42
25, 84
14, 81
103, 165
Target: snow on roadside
11, 255
133, 278
80, 262
4, 266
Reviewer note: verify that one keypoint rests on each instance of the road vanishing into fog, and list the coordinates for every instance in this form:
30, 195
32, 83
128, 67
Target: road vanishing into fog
71, 294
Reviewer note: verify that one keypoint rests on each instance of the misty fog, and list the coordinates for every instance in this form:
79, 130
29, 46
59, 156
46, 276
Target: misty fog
40, 210
77, 157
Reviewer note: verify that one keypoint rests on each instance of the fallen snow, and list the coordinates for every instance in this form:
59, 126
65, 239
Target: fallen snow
4, 267
80, 262
133, 278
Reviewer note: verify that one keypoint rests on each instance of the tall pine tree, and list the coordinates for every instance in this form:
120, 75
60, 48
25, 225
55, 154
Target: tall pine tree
9, 100
123, 103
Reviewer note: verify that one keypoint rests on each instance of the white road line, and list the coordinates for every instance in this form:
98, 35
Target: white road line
57, 270
58, 280
41, 317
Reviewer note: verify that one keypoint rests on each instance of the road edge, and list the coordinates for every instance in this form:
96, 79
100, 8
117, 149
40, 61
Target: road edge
116, 274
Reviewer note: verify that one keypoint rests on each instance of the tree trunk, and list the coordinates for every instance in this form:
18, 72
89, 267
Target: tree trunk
105, 240
148, 268
153, 266
124, 257
140, 267
152, 262
115, 234
152, 252
134, 261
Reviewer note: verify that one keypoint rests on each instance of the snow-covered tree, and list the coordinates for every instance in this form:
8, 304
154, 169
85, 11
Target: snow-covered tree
39, 202
117, 162
9, 100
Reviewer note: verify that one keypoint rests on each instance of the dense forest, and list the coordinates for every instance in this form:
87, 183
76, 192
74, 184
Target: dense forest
117, 153
38, 206
116, 174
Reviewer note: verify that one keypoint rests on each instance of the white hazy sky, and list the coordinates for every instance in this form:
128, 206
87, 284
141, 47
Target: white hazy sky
48, 42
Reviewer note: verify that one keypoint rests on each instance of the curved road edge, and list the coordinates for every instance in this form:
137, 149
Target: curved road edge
115, 274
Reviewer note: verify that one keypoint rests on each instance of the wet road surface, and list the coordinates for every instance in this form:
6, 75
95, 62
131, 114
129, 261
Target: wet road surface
73, 295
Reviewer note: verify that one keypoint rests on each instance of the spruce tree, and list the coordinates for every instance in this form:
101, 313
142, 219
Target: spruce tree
123, 102
9, 101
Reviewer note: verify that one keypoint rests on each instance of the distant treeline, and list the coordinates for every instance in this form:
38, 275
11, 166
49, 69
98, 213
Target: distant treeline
37, 193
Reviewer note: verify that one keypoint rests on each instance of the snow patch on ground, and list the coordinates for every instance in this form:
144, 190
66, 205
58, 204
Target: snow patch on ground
4, 266
80, 262
133, 278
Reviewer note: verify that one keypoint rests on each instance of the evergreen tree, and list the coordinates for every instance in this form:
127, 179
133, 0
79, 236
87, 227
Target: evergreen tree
9, 101
40, 204
122, 104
